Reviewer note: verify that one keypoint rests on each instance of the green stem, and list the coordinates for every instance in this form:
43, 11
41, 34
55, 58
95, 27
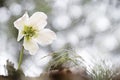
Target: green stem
21, 57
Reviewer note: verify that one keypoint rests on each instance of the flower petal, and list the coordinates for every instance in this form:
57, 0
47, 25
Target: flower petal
19, 23
20, 35
46, 36
31, 46
38, 19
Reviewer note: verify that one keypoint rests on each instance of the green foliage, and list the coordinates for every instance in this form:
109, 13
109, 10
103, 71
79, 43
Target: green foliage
102, 72
64, 58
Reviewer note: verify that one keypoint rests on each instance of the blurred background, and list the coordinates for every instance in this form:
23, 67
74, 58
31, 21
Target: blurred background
90, 27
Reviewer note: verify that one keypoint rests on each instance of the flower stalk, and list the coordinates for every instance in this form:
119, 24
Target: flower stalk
21, 57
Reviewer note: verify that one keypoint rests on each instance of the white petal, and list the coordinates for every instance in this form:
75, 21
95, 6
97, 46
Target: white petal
19, 23
31, 46
20, 35
38, 19
46, 36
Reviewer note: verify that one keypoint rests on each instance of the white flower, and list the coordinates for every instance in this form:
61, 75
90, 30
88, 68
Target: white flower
33, 31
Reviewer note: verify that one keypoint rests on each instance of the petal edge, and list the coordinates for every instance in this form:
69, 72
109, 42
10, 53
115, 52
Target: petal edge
19, 23
31, 46
46, 36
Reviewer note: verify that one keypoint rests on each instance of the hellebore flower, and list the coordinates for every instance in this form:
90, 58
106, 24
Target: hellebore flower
33, 31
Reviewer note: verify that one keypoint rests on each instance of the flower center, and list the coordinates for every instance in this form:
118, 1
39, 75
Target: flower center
29, 32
